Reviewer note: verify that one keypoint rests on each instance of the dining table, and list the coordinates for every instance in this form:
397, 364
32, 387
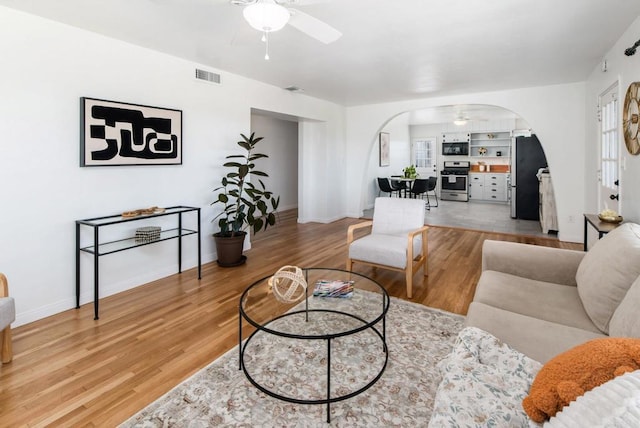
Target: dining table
404, 179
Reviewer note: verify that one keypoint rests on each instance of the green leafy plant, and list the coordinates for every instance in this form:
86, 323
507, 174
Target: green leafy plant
245, 204
410, 172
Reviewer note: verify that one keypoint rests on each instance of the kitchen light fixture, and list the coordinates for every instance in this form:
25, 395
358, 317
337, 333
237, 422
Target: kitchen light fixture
266, 16
459, 121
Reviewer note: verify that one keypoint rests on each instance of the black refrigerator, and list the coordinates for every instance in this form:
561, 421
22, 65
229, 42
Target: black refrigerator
527, 157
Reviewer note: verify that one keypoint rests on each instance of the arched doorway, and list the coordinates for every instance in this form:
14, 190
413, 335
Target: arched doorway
491, 133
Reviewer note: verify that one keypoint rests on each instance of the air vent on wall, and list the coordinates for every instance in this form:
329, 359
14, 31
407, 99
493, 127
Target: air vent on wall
207, 75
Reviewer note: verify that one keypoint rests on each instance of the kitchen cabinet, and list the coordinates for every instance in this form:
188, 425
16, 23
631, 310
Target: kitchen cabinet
488, 186
456, 137
476, 186
496, 143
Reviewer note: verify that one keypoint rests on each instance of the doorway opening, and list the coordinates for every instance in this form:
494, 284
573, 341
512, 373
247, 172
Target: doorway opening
489, 134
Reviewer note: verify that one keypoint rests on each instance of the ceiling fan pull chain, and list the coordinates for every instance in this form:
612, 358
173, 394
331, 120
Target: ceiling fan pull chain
266, 40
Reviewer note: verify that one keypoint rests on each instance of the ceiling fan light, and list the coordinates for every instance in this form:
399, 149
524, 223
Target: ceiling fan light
266, 15
459, 122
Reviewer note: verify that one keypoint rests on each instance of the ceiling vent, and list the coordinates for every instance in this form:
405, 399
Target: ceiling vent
207, 76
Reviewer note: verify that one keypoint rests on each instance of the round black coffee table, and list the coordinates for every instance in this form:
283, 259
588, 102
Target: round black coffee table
285, 356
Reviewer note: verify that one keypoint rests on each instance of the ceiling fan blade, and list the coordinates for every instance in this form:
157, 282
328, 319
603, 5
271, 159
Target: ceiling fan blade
313, 27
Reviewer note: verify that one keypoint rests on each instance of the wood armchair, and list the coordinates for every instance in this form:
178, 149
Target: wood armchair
398, 239
7, 316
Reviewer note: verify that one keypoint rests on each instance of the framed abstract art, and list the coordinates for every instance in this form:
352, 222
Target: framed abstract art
114, 134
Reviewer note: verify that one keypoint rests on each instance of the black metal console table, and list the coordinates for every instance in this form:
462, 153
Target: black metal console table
98, 248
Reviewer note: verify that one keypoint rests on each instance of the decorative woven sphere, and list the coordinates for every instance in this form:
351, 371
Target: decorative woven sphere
288, 284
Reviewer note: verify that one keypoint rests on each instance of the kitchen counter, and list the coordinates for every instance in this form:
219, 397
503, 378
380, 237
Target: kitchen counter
497, 169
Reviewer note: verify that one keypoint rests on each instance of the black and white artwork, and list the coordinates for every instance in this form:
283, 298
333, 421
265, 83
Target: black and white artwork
114, 133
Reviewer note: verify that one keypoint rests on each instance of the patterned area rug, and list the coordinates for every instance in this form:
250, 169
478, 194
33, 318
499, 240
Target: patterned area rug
220, 395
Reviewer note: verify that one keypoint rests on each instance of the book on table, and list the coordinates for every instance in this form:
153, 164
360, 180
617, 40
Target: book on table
333, 288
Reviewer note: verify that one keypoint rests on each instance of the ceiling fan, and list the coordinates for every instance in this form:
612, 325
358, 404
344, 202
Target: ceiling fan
268, 16
461, 120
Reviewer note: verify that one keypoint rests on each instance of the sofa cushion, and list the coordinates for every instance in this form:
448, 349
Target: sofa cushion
384, 249
525, 261
607, 271
551, 302
397, 216
625, 321
536, 338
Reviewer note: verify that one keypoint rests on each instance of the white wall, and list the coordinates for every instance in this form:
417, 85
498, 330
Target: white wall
399, 156
46, 68
555, 112
281, 145
624, 70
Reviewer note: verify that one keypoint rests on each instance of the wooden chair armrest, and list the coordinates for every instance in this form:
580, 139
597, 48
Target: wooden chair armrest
4, 286
422, 231
412, 235
354, 227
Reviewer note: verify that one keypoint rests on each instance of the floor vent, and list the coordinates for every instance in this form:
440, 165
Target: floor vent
207, 75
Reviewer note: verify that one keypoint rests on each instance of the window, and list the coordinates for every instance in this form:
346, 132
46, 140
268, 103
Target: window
609, 150
609, 138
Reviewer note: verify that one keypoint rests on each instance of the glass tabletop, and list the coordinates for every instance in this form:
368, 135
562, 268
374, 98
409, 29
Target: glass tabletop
118, 218
345, 302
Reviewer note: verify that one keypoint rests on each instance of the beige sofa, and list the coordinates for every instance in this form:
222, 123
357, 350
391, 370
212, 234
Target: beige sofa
543, 301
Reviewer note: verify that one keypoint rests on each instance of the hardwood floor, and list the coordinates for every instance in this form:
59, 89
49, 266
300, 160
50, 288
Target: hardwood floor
69, 370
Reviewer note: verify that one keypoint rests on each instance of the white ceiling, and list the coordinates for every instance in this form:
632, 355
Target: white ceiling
390, 49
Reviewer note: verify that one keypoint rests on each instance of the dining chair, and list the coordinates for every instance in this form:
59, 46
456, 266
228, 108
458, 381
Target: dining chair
385, 186
433, 183
419, 189
401, 185
397, 241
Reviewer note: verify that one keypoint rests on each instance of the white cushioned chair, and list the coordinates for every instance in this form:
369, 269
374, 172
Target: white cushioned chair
7, 316
398, 238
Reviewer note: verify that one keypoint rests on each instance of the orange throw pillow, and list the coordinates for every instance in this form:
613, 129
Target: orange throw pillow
578, 370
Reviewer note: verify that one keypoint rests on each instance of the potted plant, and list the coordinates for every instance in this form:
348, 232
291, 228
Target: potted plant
245, 204
410, 172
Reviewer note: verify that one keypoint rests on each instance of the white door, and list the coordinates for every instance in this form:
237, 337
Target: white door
424, 156
608, 183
